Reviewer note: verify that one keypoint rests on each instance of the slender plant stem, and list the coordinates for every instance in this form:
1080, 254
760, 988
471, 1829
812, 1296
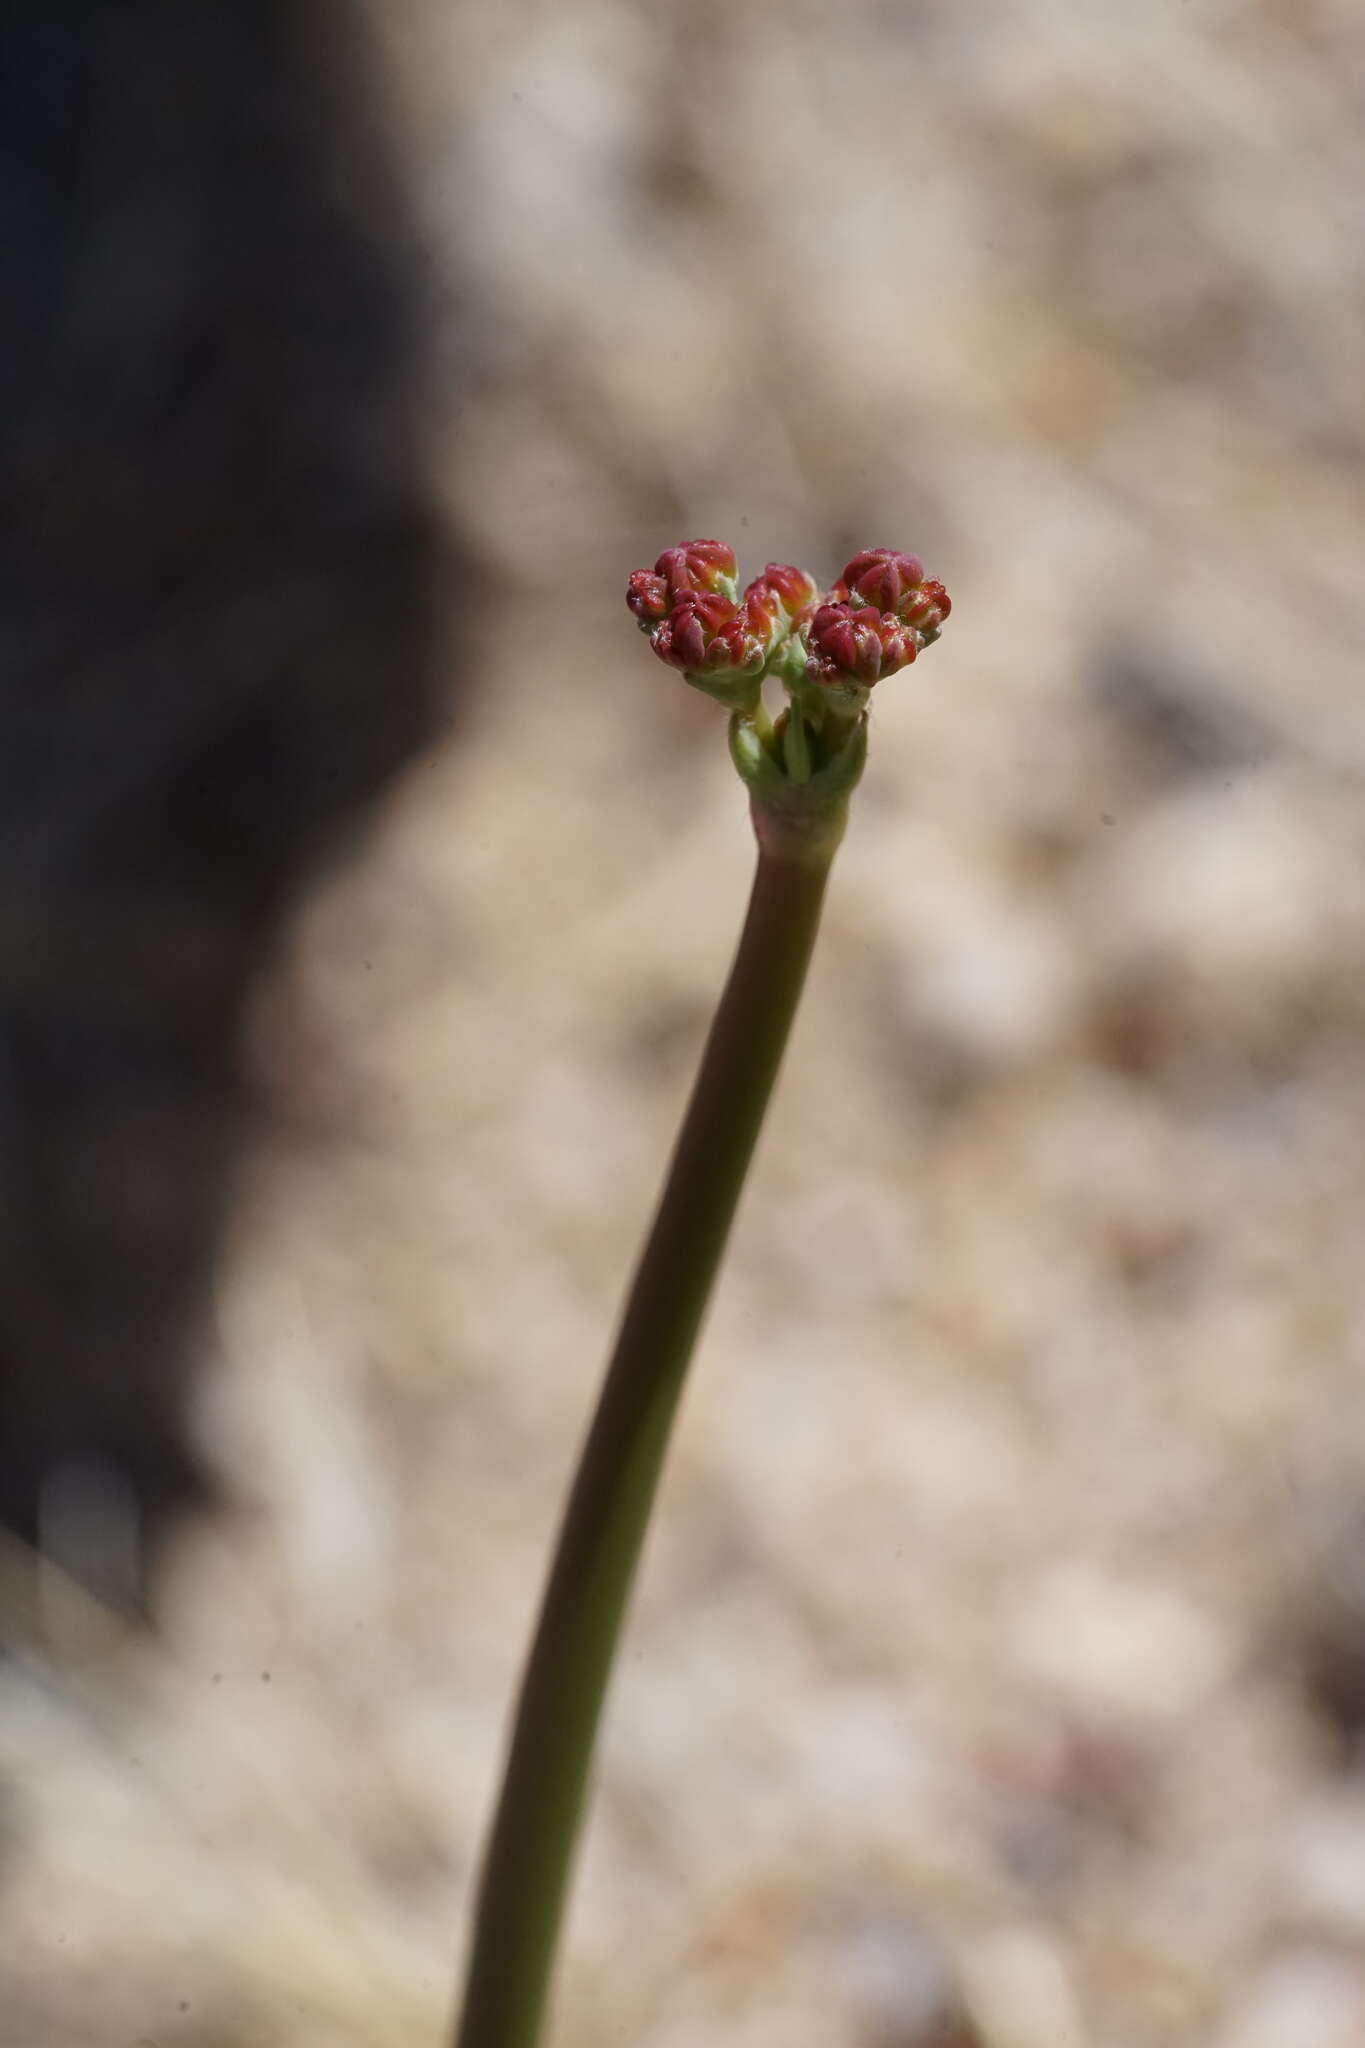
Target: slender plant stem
530, 1850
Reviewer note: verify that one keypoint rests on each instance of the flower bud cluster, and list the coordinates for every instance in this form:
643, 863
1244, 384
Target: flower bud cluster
828, 649
705, 634
895, 584
700, 568
853, 646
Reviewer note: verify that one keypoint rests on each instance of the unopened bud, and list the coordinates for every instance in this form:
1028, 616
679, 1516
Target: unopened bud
705, 634
792, 590
765, 623
647, 595
926, 609
699, 566
895, 583
852, 646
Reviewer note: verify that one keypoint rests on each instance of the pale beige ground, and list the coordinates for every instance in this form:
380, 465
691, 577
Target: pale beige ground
981, 1655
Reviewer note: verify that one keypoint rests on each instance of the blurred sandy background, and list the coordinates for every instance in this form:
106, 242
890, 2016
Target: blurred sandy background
998, 1670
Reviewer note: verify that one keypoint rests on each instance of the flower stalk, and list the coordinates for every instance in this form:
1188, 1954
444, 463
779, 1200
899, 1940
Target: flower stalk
800, 770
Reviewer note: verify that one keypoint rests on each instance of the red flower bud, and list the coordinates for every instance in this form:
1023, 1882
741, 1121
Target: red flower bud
769, 608
647, 596
698, 568
926, 609
698, 565
792, 589
854, 645
705, 634
895, 583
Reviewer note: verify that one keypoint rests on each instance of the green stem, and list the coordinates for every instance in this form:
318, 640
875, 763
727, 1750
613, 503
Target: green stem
530, 1850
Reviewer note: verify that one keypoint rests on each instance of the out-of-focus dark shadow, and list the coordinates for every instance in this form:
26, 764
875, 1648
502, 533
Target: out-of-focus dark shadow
222, 581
